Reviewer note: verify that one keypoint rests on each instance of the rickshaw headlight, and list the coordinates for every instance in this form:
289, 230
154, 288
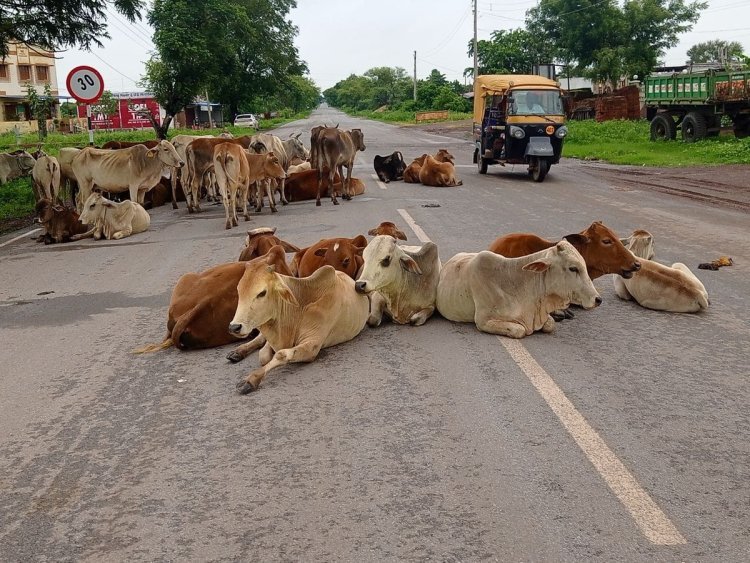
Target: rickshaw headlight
517, 132
561, 132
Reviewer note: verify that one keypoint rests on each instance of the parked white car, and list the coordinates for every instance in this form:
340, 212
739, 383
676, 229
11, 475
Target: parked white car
246, 120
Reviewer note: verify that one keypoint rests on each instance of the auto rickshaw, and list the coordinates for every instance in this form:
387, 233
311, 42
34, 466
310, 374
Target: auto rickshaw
518, 119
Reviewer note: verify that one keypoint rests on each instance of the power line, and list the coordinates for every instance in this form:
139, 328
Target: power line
113, 68
450, 36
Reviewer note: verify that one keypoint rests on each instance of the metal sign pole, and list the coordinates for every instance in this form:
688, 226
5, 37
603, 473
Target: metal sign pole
88, 121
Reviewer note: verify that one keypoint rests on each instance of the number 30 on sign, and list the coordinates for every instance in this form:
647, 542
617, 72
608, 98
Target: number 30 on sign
85, 84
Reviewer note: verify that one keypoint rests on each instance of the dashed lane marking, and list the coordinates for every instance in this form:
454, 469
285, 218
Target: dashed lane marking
19, 237
379, 182
421, 235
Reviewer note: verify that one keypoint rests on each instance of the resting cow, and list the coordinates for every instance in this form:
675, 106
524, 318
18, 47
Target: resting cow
303, 186
402, 280
656, 286
297, 317
136, 169
389, 167
13, 166
111, 219
438, 174
411, 174
260, 241
60, 223
344, 254
387, 228
46, 178
514, 296
203, 304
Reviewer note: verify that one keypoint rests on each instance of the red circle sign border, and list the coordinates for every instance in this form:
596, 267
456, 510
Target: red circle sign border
93, 71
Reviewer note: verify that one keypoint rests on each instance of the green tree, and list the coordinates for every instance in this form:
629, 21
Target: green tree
708, 51
171, 89
53, 24
41, 107
69, 109
510, 52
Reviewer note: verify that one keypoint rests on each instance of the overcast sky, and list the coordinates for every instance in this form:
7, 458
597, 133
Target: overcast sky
340, 37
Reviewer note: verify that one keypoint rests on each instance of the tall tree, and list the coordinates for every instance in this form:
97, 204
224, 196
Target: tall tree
54, 24
510, 52
708, 51
171, 89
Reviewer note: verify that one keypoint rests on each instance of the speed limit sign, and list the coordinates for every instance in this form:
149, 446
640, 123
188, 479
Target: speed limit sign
85, 84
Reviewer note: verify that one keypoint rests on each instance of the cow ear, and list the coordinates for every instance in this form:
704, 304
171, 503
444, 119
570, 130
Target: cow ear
285, 293
625, 241
289, 247
359, 240
400, 235
409, 264
321, 251
539, 266
576, 238
372, 232
151, 153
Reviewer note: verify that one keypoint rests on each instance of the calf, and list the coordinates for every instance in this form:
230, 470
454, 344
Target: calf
389, 167
263, 167
260, 241
402, 281
438, 174
656, 286
514, 296
297, 317
60, 223
113, 220
387, 228
344, 254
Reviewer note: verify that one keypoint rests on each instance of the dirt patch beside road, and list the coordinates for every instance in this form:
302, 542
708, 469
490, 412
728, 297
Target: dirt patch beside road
725, 185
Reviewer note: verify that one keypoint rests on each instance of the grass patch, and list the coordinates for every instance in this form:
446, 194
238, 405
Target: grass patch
16, 198
404, 117
627, 142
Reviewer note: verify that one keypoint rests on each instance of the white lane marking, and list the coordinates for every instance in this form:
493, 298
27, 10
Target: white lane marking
652, 522
465, 165
421, 235
19, 237
378, 182
359, 161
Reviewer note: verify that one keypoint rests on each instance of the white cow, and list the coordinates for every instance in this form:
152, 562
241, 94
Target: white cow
514, 296
68, 179
46, 178
657, 286
13, 166
111, 219
297, 317
135, 169
401, 280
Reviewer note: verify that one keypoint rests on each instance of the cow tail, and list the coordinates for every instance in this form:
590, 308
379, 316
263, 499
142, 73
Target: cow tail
148, 348
223, 160
182, 324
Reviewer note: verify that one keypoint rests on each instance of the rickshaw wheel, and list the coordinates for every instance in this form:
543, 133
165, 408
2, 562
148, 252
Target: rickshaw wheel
540, 169
481, 164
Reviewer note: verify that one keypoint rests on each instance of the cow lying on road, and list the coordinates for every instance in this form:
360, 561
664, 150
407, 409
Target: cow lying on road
260, 241
297, 317
389, 167
344, 254
60, 223
111, 219
514, 296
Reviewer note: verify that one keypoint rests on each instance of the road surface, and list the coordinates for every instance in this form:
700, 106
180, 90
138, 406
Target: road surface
623, 436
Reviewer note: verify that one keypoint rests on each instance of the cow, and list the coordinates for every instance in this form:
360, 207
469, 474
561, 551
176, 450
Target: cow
389, 167
598, 244
111, 219
402, 280
387, 228
60, 223
203, 304
514, 296
232, 174
259, 241
180, 143
264, 166
68, 181
297, 317
444, 156
46, 178
14, 166
296, 168
344, 254
115, 145
335, 150
199, 159
285, 150
438, 174
136, 169
303, 186
659, 287
411, 174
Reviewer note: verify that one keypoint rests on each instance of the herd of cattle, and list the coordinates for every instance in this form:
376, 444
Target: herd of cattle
330, 291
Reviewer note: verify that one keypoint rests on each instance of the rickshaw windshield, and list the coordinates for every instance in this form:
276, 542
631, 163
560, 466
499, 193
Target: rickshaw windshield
536, 102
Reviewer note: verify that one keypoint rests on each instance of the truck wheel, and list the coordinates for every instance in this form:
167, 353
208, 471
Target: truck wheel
741, 127
663, 128
481, 164
693, 127
540, 169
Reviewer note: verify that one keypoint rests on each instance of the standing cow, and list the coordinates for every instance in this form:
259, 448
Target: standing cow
335, 150
46, 178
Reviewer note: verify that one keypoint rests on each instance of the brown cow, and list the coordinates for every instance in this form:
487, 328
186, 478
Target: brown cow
303, 186
335, 150
259, 242
600, 247
232, 172
444, 156
203, 305
199, 155
59, 222
411, 174
387, 228
438, 174
344, 254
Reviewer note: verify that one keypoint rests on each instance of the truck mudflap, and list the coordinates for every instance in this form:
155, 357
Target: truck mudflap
539, 146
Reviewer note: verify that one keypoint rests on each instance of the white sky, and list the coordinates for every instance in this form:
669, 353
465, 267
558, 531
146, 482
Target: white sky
340, 37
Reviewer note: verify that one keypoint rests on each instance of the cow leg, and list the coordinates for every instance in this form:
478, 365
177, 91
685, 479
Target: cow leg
244, 350
504, 328
258, 195
549, 325
174, 186
126, 232
348, 184
377, 307
226, 201
331, 176
282, 183
233, 195
271, 197
621, 290
87, 234
243, 197
304, 352
420, 317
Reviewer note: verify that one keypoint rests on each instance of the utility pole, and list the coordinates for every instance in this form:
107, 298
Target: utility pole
210, 118
415, 76
476, 66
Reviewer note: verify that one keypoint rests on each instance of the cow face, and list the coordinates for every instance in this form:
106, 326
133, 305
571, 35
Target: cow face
358, 138
93, 208
566, 275
44, 211
444, 156
25, 162
344, 255
272, 167
603, 252
262, 293
385, 264
387, 228
641, 244
166, 153
295, 149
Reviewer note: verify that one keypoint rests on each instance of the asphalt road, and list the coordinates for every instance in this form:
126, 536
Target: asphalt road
623, 436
